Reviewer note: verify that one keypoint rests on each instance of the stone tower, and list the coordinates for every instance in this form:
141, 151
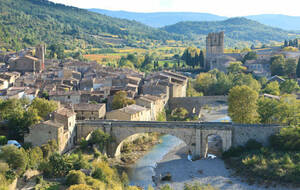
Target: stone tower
40, 54
214, 44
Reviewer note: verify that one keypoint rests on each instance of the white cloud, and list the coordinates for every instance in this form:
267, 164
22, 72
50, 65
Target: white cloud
220, 7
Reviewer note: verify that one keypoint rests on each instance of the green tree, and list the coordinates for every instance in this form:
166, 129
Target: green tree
17, 159
235, 67
44, 107
288, 110
35, 157
202, 59
243, 105
179, 114
272, 88
250, 56
268, 110
277, 65
290, 67
75, 177
289, 86
120, 100
298, 69
100, 138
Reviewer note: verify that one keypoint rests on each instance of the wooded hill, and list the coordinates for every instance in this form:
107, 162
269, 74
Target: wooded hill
27, 22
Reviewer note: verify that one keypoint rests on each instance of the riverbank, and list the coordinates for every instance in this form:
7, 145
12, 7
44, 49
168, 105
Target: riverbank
213, 172
133, 151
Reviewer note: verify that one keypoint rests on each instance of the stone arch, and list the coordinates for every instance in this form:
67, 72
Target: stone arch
225, 136
188, 139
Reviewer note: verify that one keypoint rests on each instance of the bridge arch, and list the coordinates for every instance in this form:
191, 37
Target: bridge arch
133, 137
225, 138
122, 134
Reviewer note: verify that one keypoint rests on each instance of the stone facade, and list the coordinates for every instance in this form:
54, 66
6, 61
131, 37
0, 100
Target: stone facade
85, 111
130, 113
214, 44
194, 104
194, 134
215, 56
156, 104
67, 117
43, 132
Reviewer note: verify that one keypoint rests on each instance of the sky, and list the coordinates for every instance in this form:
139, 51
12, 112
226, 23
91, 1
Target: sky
230, 8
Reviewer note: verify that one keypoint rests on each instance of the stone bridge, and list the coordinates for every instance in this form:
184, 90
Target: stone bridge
194, 134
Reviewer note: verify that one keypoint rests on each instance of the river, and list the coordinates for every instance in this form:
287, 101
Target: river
140, 173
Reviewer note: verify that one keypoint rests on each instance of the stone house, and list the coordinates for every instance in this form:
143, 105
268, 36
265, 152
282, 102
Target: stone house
65, 97
276, 78
3, 84
259, 67
67, 117
85, 111
26, 63
130, 113
11, 77
156, 104
45, 131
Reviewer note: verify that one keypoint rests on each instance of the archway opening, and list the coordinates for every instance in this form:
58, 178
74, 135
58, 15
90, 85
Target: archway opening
136, 146
214, 146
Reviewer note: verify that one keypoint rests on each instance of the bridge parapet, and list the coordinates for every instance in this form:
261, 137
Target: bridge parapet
194, 134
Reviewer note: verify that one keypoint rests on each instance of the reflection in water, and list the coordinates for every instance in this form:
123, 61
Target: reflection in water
141, 172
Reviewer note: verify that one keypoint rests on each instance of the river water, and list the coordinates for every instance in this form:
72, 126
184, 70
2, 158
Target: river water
140, 173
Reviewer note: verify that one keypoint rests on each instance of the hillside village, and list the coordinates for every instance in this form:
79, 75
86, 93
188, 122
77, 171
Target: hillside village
204, 114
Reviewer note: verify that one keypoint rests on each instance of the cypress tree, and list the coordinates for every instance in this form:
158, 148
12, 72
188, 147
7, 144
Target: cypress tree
298, 69
201, 59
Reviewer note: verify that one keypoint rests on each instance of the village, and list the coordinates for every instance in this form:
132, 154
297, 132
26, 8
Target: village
89, 91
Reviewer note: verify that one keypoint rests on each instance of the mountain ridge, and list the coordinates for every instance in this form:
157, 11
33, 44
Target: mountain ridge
161, 19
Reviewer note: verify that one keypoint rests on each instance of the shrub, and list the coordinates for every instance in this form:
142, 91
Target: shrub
83, 144
98, 174
233, 152
3, 140
16, 158
75, 177
80, 187
253, 145
287, 139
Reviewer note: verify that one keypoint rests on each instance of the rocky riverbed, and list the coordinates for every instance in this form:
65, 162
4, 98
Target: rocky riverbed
213, 172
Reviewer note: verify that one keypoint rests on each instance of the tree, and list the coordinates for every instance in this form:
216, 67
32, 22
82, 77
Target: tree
290, 67
179, 114
75, 178
298, 69
17, 159
277, 65
80, 187
100, 138
235, 67
289, 86
272, 88
250, 56
286, 44
201, 59
204, 81
120, 100
288, 110
246, 79
243, 105
43, 106
267, 110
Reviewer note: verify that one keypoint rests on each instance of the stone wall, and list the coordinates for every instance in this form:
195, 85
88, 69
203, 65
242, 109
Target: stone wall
261, 133
193, 104
194, 134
